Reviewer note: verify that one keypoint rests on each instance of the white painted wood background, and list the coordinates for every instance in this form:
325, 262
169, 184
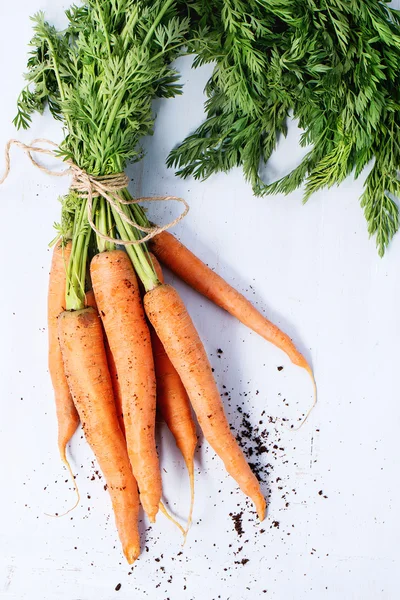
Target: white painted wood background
334, 521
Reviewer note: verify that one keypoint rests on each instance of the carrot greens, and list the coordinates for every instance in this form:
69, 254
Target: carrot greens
99, 77
331, 64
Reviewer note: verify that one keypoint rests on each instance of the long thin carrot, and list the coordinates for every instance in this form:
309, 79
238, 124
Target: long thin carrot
200, 277
90, 300
173, 325
173, 402
86, 368
120, 306
67, 416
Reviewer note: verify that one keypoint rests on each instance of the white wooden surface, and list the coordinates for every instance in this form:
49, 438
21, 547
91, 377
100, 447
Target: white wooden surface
334, 522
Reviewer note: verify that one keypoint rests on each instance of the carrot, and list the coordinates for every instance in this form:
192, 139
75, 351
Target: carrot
173, 402
90, 300
200, 277
67, 416
120, 306
116, 387
173, 325
86, 369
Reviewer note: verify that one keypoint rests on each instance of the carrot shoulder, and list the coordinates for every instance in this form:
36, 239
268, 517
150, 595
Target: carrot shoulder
199, 276
120, 306
67, 416
85, 362
173, 325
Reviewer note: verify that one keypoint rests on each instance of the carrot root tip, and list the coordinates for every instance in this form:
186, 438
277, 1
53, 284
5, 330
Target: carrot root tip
171, 518
131, 555
309, 411
190, 468
314, 402
261, 506
78, 496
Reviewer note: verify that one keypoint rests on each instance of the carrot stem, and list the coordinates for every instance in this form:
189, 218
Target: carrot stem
110, 226
138, 253
130, 26
101, 225
142, 249
104, 224
157, 21
76, 275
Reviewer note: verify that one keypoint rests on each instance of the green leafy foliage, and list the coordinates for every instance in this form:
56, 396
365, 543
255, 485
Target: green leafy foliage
100, 75
332, 64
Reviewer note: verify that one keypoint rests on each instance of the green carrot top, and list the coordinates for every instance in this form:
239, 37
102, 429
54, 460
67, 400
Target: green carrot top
100, 75
334, 65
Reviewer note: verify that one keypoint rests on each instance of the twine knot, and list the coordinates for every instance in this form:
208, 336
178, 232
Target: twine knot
81, 182
90, 186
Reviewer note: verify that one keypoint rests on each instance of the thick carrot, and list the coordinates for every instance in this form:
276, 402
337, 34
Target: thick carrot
120, 306
173, 325
173, 402
86, 368
67, 416
90, 300
200, 277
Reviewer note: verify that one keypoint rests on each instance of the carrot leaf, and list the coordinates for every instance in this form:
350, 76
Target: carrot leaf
332, 65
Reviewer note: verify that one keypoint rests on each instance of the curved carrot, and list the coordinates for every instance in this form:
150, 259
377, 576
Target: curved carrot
67, 416
200, 277
173, 325
85, 363
173, 402
90, 300
118, 299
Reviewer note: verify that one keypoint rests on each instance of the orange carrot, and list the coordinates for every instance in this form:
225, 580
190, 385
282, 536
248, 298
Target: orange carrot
85, 363
67, 416
90, 300
120, 306
173, 402
116, 387
173, 325
200, 277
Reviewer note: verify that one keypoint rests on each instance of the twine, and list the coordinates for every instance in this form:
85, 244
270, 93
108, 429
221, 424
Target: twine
90, 187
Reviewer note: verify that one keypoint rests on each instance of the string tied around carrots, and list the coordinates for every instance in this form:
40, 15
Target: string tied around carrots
91, 186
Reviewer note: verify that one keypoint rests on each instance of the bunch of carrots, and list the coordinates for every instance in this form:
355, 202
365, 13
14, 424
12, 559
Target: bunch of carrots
121, 342
114, 360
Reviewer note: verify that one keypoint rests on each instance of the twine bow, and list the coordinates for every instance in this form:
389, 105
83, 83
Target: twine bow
90, 187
